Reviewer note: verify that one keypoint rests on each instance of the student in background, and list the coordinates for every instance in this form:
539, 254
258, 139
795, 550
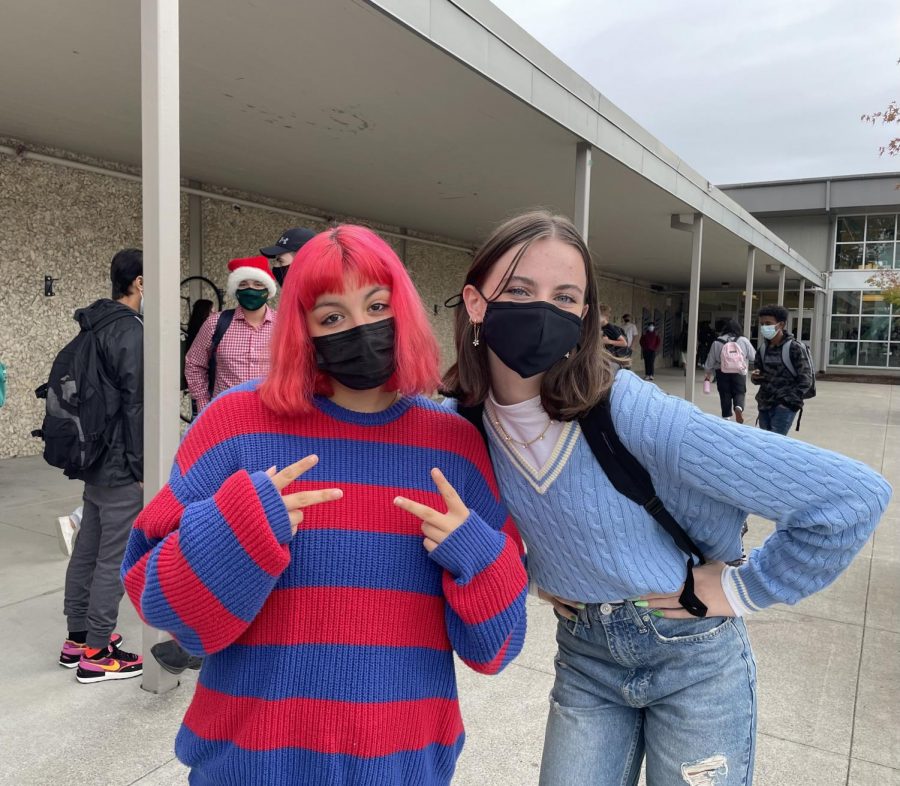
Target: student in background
782, 389
220, 360
113, 485
650, 343
729, 358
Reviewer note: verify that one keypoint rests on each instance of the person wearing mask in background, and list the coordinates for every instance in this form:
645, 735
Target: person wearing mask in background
650, 342
729, 357
631, 331
782, 390
282, 253
242, 350
113, 485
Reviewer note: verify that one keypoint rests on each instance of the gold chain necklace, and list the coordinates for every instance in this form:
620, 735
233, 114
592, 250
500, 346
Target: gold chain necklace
505, 434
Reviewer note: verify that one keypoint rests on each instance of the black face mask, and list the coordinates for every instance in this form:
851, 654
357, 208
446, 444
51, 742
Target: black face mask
530, 337
280, 274
361, 358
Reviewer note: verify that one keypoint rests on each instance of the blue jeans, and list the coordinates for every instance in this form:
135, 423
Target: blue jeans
779, 419
681, 692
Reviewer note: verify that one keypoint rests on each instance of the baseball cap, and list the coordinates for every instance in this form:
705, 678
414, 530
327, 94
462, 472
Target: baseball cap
290, 240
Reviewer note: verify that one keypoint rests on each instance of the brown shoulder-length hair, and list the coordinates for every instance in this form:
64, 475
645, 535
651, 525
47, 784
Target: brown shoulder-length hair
573, 385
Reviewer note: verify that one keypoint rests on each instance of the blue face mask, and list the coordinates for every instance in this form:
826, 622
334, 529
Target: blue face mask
768, 332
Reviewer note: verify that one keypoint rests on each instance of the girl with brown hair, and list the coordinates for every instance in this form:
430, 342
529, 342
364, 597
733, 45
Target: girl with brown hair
654, 659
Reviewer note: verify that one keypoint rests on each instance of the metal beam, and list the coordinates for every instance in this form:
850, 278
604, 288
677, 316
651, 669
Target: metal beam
800, 298
583, 157
694, 307
748, 290
195, 244
782, 275
161, 167
690, 362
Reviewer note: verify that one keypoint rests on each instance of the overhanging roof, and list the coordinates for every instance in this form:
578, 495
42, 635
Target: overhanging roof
335, 104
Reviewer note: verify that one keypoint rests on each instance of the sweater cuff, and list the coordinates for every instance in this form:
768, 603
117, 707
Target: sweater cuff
739, 609
469, 549
276, 512
735, 583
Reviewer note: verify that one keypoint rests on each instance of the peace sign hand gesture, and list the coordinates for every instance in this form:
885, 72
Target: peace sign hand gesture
437, 526
301, 499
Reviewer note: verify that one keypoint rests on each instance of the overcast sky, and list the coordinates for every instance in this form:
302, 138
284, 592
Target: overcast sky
742, 90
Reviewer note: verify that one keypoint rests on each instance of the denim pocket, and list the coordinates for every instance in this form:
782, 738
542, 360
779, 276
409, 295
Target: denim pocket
572, 627
687, 631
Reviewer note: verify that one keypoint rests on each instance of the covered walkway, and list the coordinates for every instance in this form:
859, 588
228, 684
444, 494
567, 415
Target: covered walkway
829, 677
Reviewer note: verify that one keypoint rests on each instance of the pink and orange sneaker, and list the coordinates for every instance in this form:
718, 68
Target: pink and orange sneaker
72, 651
109, 664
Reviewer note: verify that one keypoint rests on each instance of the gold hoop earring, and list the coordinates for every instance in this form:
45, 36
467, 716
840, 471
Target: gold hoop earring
475, 340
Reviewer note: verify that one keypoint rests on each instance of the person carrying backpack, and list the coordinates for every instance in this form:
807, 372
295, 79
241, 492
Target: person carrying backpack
94, 431
783, 372
730, 356
631, 504
233, 346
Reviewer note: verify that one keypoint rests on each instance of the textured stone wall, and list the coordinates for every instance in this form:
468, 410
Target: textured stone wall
68, 224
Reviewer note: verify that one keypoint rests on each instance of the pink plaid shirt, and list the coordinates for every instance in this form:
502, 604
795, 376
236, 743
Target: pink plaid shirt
243, 354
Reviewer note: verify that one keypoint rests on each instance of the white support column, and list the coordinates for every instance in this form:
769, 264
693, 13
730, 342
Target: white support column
782, 275
583, 188
748, 290
693, 307
161, 168
801, 296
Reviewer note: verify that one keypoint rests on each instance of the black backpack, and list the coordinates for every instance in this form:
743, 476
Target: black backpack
630, 479
76, 423
222, 324
789, 364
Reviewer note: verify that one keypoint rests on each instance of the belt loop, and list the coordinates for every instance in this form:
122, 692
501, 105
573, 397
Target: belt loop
636, 617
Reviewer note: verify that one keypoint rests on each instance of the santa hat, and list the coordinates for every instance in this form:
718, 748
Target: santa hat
251, 269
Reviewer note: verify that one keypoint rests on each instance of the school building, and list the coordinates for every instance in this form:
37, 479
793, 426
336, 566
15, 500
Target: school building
847, 228
200, 132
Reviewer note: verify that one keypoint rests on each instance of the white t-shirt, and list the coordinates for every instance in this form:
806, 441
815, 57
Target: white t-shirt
631, 332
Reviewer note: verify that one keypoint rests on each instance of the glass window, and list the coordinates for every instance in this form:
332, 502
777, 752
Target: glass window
874, 328
895, 329
880, 227
846, 328
874, 303
850, 229
879, 255
848, 257
873, 353
846, 303
894, 357
843, 353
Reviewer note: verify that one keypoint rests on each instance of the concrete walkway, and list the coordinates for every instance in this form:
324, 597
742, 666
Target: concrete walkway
829, 668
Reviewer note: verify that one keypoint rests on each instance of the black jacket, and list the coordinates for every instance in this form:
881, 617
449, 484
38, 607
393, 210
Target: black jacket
121, 346
778, 385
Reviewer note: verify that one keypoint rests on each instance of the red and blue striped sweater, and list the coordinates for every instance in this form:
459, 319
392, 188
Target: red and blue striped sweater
328, 655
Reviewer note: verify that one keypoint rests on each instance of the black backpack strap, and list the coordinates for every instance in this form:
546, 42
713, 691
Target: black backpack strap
475, 416
222, 324
631, 479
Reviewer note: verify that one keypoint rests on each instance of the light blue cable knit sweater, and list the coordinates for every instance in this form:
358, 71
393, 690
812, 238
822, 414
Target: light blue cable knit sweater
587, 542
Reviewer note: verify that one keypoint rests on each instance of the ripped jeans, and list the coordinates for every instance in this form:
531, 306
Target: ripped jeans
629, 685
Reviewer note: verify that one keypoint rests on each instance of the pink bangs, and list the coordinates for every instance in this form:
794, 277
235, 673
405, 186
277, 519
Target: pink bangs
345, 256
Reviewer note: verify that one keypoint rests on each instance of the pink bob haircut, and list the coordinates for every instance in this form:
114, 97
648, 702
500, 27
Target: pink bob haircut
345, 256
